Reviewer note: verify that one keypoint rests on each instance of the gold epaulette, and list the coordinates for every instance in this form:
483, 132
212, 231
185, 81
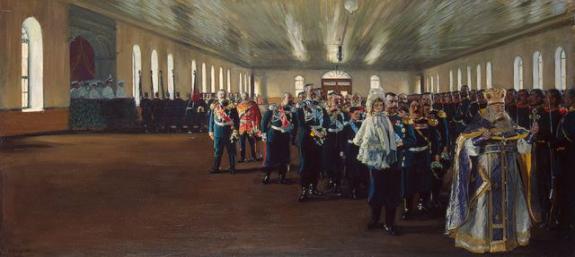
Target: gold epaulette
442, 114
231, 106
213, 106
483, 112
433, 122
407, 121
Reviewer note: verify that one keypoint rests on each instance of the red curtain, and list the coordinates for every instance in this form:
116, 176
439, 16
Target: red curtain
82, 66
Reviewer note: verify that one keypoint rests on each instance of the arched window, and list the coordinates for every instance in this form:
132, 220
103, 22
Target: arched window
431, 84
171, 76
250, 88
489, 75
204, 78
299, 83
194, 76
469, 77
450, 80
560, 69
229, 81
246, 84
459, 78
518, 73
478, 77
375, 83
136, 70
436, 83
537, 70
155, 72
241, 83
222, 78
213, 79
32, 66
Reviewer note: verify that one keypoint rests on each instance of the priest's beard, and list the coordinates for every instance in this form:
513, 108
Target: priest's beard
499, 119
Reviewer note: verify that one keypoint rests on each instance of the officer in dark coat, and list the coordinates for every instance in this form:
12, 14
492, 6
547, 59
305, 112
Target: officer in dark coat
545, 112
565, 136
332, 161
146, 106
278, 131
223, 128
356, 171
403, 128
312, 122
417, 178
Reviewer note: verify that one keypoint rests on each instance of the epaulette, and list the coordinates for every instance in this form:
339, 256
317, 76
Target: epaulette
442, 114
273, 107
408, 121
483, 112
231, 106
213, 106
433, 122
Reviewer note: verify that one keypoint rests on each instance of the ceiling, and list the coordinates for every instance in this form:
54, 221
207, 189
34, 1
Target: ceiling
380, 34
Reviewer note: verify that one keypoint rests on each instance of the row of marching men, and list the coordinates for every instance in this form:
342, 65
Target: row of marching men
324, 134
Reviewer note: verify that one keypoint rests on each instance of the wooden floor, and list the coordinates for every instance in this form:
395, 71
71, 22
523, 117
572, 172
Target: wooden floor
151, 195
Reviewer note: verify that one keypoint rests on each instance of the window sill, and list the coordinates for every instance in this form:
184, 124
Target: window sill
33, 110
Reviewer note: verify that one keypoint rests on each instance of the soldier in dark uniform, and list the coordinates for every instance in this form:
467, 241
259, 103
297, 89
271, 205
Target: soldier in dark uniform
465, 112
147, 114
523, 109
332, 161
547, 117
278, 132
356, 172
179, 112
417, 178
511, 104
312, 121
223, 128
157, 112
441, 156
565, 137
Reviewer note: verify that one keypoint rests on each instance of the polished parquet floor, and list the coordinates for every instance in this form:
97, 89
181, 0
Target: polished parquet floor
133, 195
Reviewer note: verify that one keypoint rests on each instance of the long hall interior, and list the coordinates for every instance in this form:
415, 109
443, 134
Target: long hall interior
184, 128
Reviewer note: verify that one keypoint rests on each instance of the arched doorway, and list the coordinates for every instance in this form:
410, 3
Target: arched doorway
336, 81
82, 65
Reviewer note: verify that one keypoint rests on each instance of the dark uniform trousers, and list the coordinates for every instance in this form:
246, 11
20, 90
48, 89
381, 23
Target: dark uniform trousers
252, 141
221, 143
384, 191
310, 161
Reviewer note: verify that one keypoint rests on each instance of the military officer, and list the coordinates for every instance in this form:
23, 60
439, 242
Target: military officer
356, 171
250, 118
312, 122
278, 132
332, 161
223, 128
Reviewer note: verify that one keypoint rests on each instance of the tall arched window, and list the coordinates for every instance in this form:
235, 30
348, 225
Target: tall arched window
204, 78
221, 81
246, 84
430, 83
518, 73
249, 83
450, 80
488, 75
469, 77
32, 66
154, 65
171, 76
213, 79
537, 70
299, 83
478, 77
560, 69
241, 83
229, 80
136, 70
459, 75
194, 76
436, 83
375, 83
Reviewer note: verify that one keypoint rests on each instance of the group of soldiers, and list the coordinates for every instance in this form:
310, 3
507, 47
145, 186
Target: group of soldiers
426, 127
166, 115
